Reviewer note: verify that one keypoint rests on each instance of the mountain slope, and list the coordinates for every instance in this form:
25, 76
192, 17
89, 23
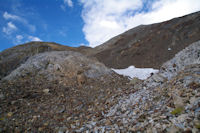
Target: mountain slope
13, 57
55, 89
149, 45
47, 87
65, 91
169, 101
143, 46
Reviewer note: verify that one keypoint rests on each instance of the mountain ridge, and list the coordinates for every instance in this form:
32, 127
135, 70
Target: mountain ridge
149, 45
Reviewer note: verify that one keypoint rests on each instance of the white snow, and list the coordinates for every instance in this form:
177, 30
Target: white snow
131, 72
169, 49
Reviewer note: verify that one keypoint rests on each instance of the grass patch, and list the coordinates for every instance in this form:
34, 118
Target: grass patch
177, 111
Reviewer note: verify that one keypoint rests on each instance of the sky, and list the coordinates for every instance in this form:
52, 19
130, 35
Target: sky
82, 22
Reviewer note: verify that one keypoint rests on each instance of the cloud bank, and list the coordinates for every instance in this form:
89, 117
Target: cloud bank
105, 19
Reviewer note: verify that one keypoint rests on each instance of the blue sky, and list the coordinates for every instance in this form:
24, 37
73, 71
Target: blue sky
40, 19
81, 22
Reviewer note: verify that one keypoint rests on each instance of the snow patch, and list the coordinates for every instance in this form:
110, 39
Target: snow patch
169, 49
131, 72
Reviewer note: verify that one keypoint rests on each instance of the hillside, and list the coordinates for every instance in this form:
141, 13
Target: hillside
53, 89
149, 46
65, 91
169, 101
48, 87
13, 57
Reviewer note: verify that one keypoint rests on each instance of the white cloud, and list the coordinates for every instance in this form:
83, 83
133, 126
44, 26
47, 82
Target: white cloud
63, 7
24, 38
105, 19
13, 17
9, 29
66, 3
8, 16
33, 38
82, 44
18, 39
163, 10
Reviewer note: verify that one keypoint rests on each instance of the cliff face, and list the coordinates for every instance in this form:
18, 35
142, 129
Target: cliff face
149, 45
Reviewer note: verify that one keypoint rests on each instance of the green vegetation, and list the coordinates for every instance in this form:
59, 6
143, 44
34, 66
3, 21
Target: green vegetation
177, 111
197, 126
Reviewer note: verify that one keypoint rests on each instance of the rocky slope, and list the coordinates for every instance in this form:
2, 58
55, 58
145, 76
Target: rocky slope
11, 58
149, 46
55, 89
65, 91
166, 102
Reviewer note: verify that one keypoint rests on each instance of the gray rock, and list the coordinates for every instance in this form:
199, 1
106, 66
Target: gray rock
178, 101
197, 109
135, 81
158, 78
188, 56
46, 91
62, 130
2, 97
